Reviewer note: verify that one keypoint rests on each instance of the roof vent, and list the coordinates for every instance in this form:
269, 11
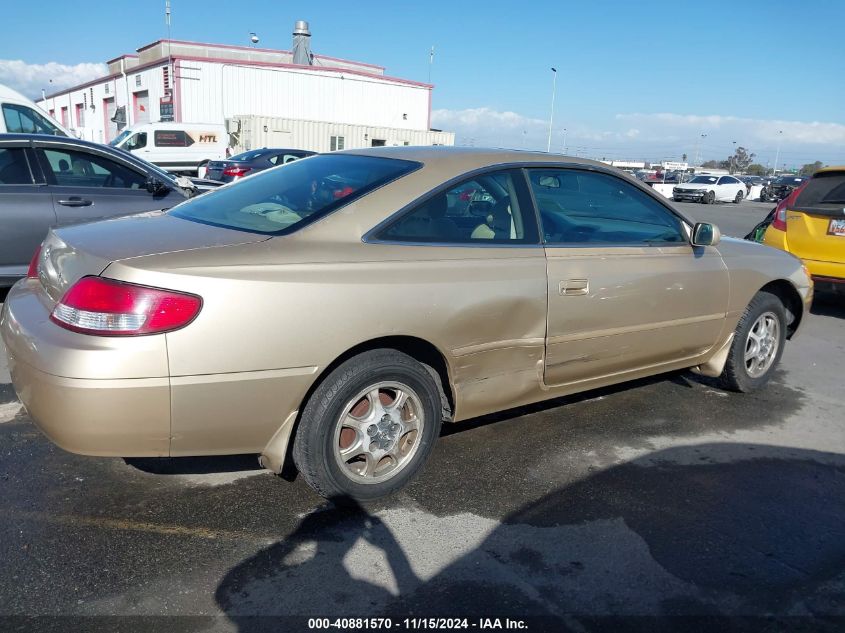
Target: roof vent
302, 44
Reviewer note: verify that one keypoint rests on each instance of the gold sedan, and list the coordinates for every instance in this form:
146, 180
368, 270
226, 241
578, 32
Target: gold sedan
338, 309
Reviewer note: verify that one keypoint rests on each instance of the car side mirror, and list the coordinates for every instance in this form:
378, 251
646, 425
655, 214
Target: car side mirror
705, 234
156, 187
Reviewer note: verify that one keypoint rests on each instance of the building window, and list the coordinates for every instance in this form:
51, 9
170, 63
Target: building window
165, 71
80, 115
137, 80
106, 88
338, 142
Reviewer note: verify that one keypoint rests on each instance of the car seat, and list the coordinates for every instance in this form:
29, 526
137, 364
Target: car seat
498, 224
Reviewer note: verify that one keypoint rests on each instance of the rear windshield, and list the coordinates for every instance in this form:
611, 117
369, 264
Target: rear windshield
280, 201
824, 191
788, 180
251, 155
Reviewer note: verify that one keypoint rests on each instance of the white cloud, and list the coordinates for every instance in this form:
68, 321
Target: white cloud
657, 136
29, 79
746, 130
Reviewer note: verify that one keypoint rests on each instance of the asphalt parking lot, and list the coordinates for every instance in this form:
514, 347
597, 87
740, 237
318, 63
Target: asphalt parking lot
661, 498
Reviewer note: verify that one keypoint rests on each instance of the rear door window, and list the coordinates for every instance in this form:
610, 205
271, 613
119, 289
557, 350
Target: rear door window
14, 169
72, 168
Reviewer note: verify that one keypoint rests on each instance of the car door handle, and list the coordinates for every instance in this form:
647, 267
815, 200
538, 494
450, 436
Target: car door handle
574, 287
75, 201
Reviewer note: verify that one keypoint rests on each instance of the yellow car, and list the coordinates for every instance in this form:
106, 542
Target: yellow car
810, 224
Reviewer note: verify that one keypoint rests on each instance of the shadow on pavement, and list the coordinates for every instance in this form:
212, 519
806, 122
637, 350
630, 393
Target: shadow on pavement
709, 531
830, 304
194, 465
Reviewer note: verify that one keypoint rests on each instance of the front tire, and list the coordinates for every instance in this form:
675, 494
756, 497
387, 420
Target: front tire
369, 427
709, 197
758, 344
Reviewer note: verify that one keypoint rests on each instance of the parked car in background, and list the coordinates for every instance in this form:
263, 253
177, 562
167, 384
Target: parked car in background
49, 181
781, 187
350, 303
251, 162
181, 148
709, 189
22, 116
810, 224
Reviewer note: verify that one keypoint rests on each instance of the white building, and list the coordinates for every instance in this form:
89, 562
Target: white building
180, 81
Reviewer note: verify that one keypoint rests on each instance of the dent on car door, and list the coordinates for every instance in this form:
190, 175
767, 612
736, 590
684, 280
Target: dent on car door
626, 289
26, 210
89, 186
473, 251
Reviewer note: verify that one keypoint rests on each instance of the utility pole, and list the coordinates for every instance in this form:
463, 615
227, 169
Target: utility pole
430, 63
552, 113
563, 147
777, 155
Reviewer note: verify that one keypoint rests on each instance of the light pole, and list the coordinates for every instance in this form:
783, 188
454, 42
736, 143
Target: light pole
552, 113
777, 155
563, 147
732, 167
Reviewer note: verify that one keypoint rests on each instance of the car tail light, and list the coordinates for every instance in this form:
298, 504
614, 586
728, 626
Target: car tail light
779, 221
32, 272
236, 171
94, 305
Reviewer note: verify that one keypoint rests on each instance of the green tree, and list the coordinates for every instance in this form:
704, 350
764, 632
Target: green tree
756, 169
810, 168
741, 159
715, 164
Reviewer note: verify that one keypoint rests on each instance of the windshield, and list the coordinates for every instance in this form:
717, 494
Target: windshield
280, 201
706, 180
117, 140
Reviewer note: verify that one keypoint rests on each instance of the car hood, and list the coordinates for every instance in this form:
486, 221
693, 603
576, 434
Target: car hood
72, 252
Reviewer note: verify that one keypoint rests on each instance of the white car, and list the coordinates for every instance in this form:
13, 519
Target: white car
709, 189
182, 148
22, 116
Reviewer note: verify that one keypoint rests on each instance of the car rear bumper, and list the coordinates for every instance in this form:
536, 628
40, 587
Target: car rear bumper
114, 396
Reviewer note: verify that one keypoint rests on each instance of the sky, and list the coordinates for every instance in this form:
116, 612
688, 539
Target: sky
635, 80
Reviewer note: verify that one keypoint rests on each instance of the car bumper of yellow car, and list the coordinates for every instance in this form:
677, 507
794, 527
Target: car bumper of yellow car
822, 272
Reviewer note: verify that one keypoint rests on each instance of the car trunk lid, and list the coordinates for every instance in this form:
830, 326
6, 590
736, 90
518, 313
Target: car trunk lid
816, 221
71, 253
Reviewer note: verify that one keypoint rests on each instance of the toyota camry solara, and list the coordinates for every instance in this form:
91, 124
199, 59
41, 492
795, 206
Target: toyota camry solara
335, 311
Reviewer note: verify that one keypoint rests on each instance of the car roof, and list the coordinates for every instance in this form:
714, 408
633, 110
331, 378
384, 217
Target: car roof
48, 138
468, 158
830, 168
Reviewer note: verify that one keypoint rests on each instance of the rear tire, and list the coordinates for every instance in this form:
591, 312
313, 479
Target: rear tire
738, 197
354, 440
758, 344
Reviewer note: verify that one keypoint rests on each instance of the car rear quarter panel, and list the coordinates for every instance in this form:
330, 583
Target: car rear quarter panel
267, 330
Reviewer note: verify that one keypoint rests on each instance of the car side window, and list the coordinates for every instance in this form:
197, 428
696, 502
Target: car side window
23, 120
71, 168
481, 210
583, 207
725, 180
14, 169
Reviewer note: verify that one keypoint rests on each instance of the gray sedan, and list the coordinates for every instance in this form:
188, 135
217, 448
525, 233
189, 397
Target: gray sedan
48, 181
